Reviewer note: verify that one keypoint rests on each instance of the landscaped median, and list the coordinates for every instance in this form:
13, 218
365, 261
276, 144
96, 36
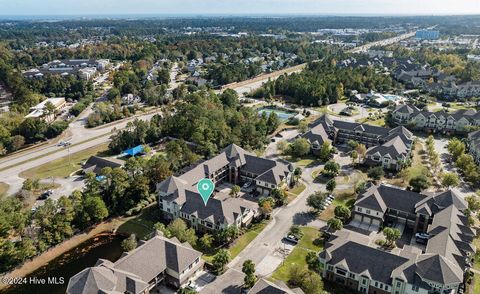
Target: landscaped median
64, 166
298, 255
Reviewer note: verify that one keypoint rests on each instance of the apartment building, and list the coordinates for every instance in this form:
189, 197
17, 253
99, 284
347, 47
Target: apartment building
41, 110
156, 261
178, 195
84, 68
473, 145
352, 258
444, 122
389, 148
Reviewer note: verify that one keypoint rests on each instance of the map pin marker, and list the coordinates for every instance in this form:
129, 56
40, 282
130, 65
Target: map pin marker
205, 188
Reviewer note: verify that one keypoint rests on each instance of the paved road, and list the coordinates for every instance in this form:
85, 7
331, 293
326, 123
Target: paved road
84, 138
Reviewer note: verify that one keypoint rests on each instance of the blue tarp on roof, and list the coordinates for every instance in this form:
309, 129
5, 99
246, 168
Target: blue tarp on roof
134, 151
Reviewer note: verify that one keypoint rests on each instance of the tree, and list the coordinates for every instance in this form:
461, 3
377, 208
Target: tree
342, 212
178, 228
335, 224
296, 231
220, 259
325, 151
354, 156
391, 235
312, 283
266, 206
303, 126
313, 262
206, 241
360, 187
95, 209
248, 268
282, 146
419, 183
235, 190
331, 169
473, 202
300, 147
352, 144
315, 201
375, 173
297, 173
280, 196
361, 151
331, 184
130, 243
450, 180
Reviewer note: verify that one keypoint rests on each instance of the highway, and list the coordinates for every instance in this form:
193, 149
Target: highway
385, 42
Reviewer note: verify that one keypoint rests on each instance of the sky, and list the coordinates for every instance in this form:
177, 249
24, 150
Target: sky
236, 7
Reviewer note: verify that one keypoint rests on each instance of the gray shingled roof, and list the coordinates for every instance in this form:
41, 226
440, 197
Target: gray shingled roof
135, 269
95, 164
384, 197
434, 267
266, 287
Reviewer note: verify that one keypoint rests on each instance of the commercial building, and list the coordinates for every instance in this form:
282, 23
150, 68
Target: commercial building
353, 259
427, 35
156, 261
389, 148
41, 110
178, 196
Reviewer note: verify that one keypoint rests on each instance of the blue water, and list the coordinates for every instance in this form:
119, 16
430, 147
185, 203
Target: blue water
282, 115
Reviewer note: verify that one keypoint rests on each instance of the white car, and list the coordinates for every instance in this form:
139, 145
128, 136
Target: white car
247, 184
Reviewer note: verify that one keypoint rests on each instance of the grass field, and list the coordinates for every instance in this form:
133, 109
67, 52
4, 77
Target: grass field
295, 191
376, 122
238, 245
141, 225
298, 254
64, 166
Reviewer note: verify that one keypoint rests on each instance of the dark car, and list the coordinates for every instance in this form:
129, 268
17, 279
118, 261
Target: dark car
45, 195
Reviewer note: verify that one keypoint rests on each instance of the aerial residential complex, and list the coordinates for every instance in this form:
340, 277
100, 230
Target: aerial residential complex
178, 196
352, 258
156, 261
455, 122
84, 68
386, 147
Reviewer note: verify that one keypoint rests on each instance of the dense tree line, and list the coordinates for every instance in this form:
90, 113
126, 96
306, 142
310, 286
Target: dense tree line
208, 120
323, 83
25, 233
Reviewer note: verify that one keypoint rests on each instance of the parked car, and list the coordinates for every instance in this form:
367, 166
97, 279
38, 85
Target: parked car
45, 195
291, 238
421, 238
247, 184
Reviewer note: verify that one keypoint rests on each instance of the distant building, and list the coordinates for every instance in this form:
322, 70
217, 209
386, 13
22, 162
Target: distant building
427, 35
40, 111
156, 261
83, 68
389, 148
130, 99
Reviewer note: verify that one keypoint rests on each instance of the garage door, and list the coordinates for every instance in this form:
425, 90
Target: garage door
358, 217
376, 222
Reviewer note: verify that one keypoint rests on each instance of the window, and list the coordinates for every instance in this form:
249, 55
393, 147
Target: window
341, 272
399, 284
376, 284
359, 209
351, 276
364, 281
368, 211
330, 267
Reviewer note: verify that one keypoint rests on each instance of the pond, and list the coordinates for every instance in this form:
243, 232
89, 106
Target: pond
106, 246
283, 115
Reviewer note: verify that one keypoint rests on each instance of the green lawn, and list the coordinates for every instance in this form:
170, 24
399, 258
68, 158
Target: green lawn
376, 122
64, 166
476, 283
141, 225
297, 256
238, 245
295, 191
